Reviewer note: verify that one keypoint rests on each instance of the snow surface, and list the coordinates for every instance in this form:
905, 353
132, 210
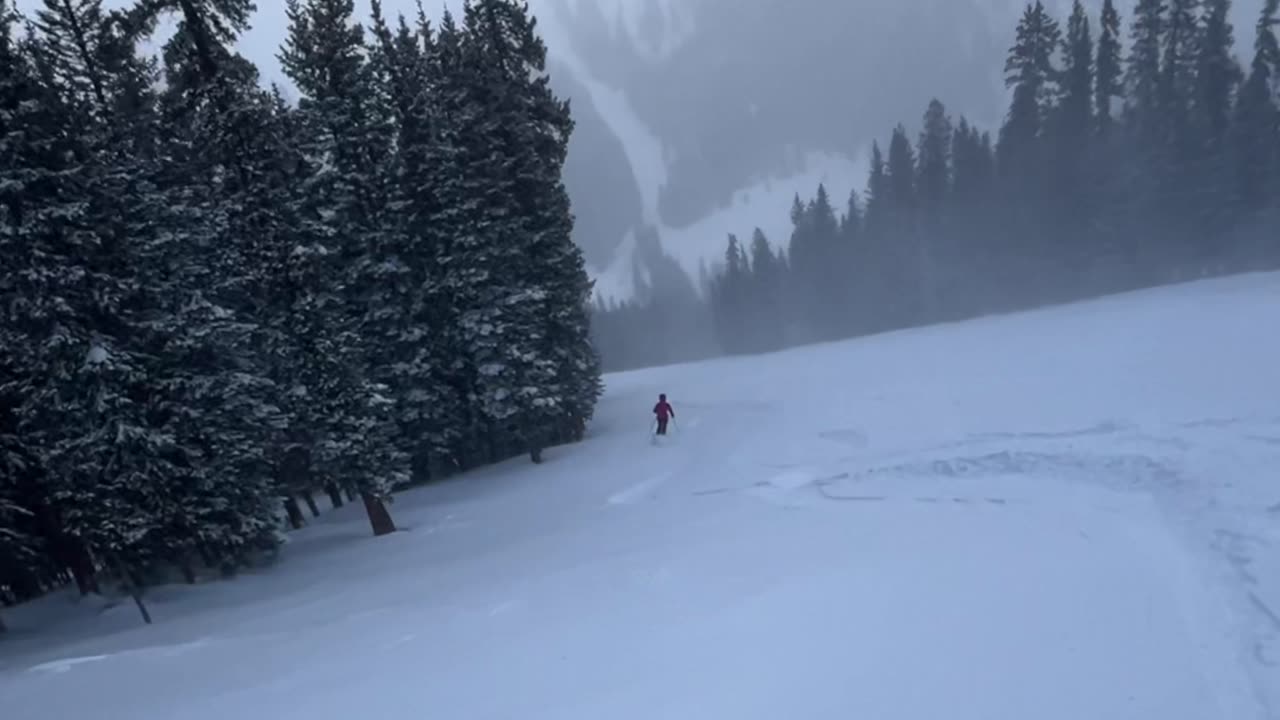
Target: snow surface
1062, 514
765, 205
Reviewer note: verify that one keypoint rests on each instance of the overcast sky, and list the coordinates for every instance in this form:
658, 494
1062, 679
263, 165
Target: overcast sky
262, 42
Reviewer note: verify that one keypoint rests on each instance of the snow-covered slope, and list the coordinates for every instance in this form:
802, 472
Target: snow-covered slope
1062, 514
765, 205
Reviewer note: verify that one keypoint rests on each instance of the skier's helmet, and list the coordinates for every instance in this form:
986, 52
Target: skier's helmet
662, 397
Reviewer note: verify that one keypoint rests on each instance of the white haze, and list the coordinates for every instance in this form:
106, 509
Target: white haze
889, 62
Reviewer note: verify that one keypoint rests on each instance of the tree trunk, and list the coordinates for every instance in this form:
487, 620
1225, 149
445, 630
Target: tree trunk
310, 500
188, 572
295, 513
351, 495
82, 567
133, 587
379, 516
535, 454
3, 628
335, 495
142, 608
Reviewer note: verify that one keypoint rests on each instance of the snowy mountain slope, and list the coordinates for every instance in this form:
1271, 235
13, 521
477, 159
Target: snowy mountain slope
1063, 514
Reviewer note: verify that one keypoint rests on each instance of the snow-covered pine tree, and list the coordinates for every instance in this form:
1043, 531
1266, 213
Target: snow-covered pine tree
20, 551
411, 69
346, 127
214, 261
539, 375
127, 482
58, 286
18, 103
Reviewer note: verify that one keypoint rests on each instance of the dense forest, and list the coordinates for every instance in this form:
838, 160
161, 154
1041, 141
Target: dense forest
1133, 154
216, 305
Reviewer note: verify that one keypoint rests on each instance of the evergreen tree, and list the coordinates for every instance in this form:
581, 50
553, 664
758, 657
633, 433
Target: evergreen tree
1217, 77
72, 33
1147, 140
851, 223
60, 286
1255, 143
933, 154
1030, 73
422, 75
1109, 158
1072, 200
731, 298
224, 233
1108, 77
1175, 168
1178, 64
852, 265
1075, 110
901, 271
1143, 70
765, 292
20, 550
933, 181
972, 214
831, 273
1023, 153
876, 218
368, 364
539, 375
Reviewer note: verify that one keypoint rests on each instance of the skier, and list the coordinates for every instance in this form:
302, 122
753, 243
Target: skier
664, 411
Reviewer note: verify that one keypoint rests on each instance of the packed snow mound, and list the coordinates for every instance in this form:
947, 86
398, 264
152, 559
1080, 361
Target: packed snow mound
1061, 514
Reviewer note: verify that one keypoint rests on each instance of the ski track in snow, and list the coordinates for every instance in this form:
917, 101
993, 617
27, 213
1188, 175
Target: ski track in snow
639, 491
975, 539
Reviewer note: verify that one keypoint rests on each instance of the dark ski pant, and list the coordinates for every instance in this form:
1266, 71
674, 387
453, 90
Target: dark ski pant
662, 426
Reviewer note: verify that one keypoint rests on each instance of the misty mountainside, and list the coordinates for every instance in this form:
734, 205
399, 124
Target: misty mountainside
738, 92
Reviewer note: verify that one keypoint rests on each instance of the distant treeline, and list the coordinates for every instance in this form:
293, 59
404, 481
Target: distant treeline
1113, 170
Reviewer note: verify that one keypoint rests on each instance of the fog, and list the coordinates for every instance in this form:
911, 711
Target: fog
735, 91
690, 114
